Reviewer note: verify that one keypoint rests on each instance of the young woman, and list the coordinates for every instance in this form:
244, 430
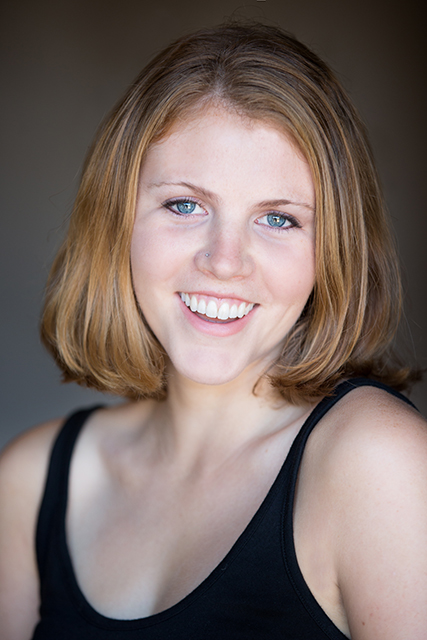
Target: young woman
228, 268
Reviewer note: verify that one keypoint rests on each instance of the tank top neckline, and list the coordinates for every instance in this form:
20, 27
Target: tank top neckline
95, 617
292, 458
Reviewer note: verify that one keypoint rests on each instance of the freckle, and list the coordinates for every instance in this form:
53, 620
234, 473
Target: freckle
363, 623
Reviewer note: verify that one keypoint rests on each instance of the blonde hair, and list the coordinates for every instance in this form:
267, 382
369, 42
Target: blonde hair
91, 321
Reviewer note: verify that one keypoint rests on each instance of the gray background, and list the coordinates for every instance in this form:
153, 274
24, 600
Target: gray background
65, 63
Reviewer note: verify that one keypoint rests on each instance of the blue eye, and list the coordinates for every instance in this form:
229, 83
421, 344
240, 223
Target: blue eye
276, 220
185, 207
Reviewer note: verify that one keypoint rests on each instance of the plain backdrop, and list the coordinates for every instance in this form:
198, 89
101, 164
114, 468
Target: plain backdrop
64, 64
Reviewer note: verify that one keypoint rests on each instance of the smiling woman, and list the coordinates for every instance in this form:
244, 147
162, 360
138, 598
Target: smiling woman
354, 309
187, 204
229, 269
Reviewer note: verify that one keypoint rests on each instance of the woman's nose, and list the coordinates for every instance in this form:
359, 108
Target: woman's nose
225, 254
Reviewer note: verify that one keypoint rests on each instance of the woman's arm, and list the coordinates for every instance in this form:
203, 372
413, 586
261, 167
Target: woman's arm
23, 467
381, 548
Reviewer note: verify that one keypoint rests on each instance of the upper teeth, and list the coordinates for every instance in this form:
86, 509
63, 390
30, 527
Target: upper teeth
211, 310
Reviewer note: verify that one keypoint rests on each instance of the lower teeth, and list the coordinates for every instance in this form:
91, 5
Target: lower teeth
217, 320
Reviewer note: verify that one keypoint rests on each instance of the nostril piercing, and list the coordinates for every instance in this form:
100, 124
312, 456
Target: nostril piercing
207, 255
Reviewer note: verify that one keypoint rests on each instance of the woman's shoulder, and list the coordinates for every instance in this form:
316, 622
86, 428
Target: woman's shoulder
24, 460
370, 437
373, 422
23, 465
23, 468
370, 461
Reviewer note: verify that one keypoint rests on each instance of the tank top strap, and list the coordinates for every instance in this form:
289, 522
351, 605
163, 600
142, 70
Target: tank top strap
294, 460
322, 408
54, 501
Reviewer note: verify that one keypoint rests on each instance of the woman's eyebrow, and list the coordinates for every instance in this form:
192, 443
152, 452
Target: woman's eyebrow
209, 194
205, 192
284, 202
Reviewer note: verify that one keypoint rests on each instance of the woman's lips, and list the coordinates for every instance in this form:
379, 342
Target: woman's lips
213, 324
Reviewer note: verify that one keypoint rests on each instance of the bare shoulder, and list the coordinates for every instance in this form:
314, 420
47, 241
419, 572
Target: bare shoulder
373, 458
369, 434
30, 449
369, 429
23, 465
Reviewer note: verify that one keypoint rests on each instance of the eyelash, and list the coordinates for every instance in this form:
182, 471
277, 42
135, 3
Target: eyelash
170, 203
287, 217
294, 224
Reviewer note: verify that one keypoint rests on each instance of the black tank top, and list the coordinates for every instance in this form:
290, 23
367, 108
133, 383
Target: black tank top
256, 592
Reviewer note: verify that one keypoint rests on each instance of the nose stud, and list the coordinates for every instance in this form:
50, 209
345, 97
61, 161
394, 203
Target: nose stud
207, 255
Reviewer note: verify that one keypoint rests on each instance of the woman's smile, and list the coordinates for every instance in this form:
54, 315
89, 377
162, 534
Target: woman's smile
223, 244
220, 317
216, 309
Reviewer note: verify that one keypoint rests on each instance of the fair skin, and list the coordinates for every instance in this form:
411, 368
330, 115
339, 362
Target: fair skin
180, 480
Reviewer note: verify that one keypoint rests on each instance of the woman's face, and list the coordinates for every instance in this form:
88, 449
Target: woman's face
224, 226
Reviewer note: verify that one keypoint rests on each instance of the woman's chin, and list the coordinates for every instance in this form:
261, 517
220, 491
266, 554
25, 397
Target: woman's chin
215, 372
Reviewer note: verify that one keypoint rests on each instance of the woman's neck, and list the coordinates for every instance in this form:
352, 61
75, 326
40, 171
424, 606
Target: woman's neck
215, 421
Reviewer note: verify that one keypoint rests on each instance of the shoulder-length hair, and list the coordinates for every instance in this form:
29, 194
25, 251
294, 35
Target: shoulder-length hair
91, 321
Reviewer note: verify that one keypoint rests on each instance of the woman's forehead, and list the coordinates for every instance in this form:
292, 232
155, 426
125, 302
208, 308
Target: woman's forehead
217, 147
